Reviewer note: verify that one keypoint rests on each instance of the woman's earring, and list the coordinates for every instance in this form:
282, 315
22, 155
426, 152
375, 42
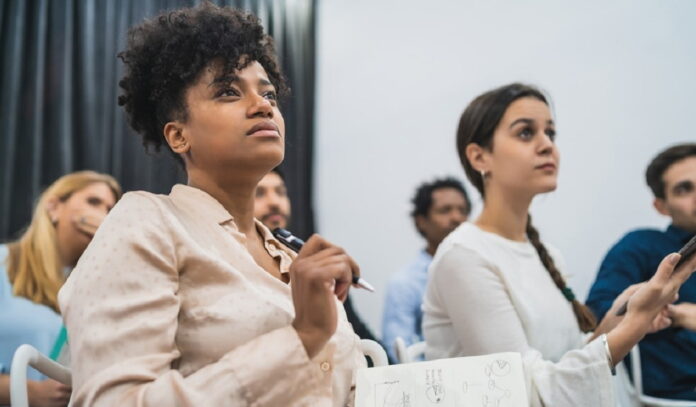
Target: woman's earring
483, 174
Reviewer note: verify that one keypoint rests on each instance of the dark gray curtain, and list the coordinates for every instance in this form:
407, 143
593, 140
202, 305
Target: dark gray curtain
59, 85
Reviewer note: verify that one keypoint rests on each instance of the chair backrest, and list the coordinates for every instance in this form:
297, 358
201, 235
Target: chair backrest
374, 351
626, 395
416, 351
408, 354
644, 399
27, 355
401, 350
636, 370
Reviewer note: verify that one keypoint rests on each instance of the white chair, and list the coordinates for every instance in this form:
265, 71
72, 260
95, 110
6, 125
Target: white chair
644, 399
375, 352
626, 395
408, 354
27, 355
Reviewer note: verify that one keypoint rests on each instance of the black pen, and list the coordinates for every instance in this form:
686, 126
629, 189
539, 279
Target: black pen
295, 244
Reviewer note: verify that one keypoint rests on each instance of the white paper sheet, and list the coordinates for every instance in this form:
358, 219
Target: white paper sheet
495, 380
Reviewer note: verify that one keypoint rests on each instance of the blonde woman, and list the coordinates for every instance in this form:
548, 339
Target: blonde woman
32, 270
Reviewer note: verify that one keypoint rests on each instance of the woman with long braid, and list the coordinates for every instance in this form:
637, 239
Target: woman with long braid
495, 287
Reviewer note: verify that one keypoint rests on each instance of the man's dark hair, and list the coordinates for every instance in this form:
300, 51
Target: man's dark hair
423, 199
662, 162
167, 54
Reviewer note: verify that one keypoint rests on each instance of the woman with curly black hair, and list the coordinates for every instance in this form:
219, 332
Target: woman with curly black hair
185, 299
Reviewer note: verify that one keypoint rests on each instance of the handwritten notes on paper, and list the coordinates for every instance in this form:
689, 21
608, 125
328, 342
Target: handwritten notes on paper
495, 380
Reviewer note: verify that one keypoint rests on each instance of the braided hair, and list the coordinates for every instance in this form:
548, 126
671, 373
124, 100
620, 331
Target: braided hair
477, 125
585, 317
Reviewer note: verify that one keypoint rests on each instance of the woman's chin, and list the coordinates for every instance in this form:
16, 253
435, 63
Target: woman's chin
548, 188
267, 159
273, 157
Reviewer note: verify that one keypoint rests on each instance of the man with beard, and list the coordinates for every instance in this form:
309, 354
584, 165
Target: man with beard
272, 208
668, 357
271, 202
438, 208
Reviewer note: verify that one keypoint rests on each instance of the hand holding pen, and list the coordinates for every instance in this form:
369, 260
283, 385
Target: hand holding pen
320, 273
295, 244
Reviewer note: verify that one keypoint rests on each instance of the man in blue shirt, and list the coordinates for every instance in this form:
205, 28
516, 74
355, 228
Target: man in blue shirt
668, 357
438, 208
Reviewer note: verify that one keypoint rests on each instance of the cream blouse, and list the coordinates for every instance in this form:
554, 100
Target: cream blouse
167, 308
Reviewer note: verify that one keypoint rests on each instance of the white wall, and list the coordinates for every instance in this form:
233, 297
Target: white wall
394, 76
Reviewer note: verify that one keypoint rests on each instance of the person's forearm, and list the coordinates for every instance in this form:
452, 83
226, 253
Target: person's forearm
4, 389
609, 322
601, 329
625, 336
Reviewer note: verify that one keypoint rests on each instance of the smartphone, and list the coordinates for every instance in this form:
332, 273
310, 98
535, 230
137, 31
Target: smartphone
687, 251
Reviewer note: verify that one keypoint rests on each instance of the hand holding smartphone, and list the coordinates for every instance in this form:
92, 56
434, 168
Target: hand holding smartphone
688, 250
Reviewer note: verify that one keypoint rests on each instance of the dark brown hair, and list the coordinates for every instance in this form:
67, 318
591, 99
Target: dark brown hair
477, 125
664, 160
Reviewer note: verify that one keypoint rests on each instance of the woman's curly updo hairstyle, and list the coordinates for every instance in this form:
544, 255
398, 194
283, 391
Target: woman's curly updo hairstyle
165, 55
